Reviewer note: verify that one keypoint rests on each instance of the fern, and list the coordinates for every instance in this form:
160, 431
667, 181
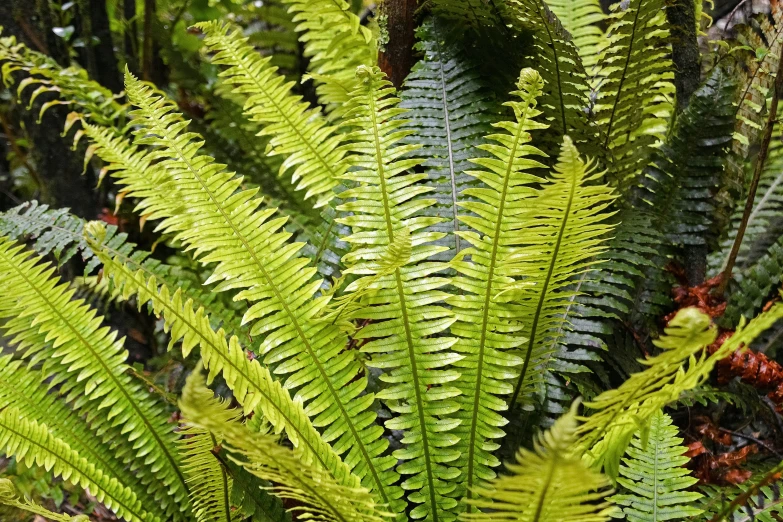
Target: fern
487, 327
8, 497
654, 476
89, 366
633, 87
384, 205
548, 484
759, 497
261, 455
582, 19
449, 110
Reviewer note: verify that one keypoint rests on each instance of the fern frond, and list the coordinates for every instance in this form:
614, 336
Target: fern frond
566, 225
554, 56
548, 484
88, 363
310, 146
682, 365
33, 444
634, 87
762, 502
325, 498
489, 329
223, 226
449, 109
582, 20
336, 44
25, 389
404, 337
8, 498
654, 475
475, 14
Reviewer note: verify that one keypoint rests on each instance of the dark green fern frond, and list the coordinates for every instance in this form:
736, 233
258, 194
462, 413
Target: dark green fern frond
404, 337
582, 20
449, 109
758, 503
654, 478
565, 100
548, 484
336, 44
472, 13
88, 363
634, 92
32, 443
490, 329
260, 454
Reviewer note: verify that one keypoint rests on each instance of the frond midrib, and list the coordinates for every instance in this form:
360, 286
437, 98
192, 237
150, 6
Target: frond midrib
403, 309
554, 457
119, 386
557, 65
224, 482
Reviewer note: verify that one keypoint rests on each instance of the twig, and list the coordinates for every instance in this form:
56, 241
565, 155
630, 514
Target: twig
754, 184
752, 439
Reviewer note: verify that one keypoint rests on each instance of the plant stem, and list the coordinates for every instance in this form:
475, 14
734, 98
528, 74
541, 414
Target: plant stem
754, 184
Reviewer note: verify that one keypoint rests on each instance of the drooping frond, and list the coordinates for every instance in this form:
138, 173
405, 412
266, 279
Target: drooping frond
553, 54
472, 13
310, 146
88, 363
206, 212
681, 366
565, 226
32, 443
324, 498
633, 92
407, 321
71, 85
26, 390
489, 329
449, 110
582, 19
548, 484
336, 44
654, 477
252, 384
8, 497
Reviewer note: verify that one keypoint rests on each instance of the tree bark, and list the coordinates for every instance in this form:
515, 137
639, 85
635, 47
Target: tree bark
131, 42
685, 49
397, 58
31, 22
152, 69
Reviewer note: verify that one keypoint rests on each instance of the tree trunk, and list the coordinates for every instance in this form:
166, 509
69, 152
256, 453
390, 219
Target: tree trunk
131, 42
397, 58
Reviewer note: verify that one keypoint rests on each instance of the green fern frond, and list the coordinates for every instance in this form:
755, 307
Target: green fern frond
548, 484
252, 384
261, 455
634, 90
407, 319
310, 146
682, 365
654, 477
221, 225
475, 14
8, 498
489, 329
566, 226
26, 390
336, 44
33, 444
88, 363
553, 54
762, 502
449, 109
582, 20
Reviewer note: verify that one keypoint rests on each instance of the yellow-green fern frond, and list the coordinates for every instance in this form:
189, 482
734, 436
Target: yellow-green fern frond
310, 147
88, 363
8, 497
634, 91
407, 320
681, 366
33, 444
488, 329
565, 227
251, 254
336, 44
582, 19
324, 498
548, 484
654, 477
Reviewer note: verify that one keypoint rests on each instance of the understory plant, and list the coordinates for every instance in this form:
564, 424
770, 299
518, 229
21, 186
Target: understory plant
482, 295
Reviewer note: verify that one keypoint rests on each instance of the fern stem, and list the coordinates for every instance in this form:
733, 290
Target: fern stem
224, 475
754, 184
769, 478
547, 484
